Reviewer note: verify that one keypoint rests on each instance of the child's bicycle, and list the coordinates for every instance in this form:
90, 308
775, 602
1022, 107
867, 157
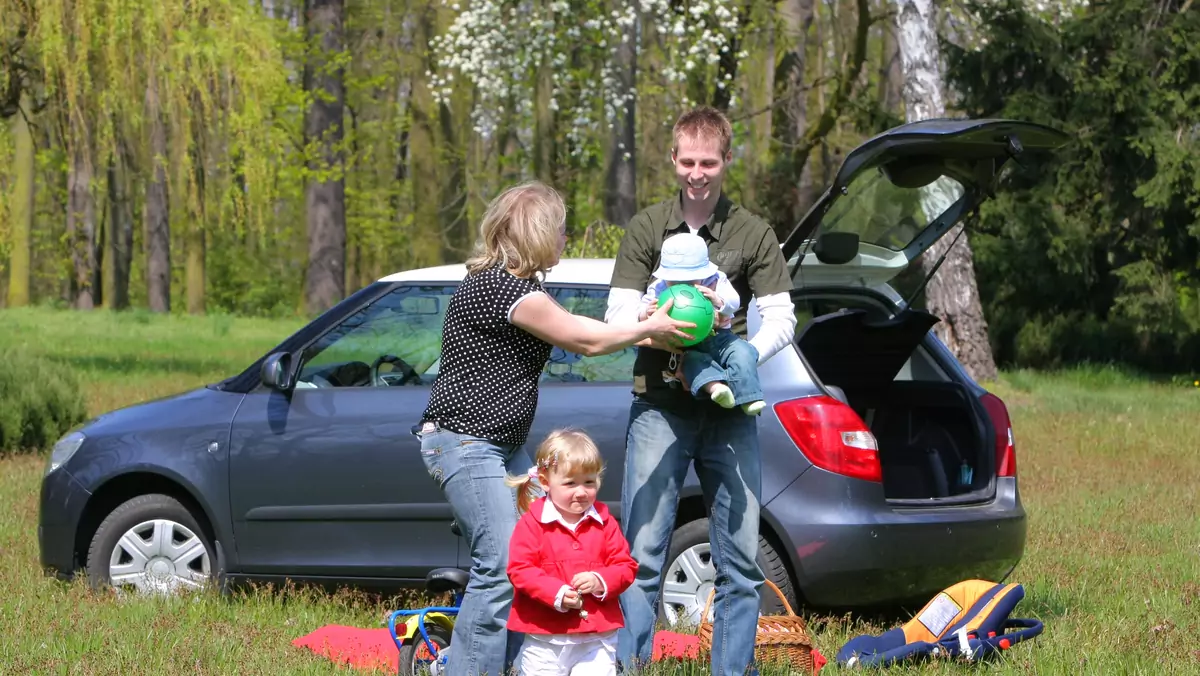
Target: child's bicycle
423, 639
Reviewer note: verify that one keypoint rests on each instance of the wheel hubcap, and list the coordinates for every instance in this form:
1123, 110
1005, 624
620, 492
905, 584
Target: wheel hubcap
159, 557
687, 584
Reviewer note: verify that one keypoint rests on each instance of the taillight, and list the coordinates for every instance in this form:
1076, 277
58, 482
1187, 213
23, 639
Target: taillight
831, 436
1006, 453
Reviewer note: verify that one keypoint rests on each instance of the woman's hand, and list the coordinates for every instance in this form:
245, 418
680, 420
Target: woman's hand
665, 330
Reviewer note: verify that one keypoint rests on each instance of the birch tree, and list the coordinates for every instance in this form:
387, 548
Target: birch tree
952, 294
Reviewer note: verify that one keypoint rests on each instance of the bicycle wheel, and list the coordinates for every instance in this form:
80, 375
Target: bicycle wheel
415, 658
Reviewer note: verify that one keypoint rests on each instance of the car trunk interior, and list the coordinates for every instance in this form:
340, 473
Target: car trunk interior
933, 434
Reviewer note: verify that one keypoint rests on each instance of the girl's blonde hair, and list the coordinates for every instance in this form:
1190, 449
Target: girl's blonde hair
568, 451
520, 230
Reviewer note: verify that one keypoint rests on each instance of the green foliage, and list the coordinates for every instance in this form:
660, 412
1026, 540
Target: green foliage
39, 401
599, 240
1094, 255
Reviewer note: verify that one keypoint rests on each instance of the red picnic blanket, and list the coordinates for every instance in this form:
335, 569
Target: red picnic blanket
374, 650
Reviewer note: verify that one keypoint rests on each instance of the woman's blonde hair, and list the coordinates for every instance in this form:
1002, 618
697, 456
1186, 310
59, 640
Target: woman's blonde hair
520, 230
568, 451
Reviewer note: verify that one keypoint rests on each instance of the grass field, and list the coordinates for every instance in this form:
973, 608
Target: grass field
1108, 467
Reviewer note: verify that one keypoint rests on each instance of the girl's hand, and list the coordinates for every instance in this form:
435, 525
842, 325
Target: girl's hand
572, 599
587, 583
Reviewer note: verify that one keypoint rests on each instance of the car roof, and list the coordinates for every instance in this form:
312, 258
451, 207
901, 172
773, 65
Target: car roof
569, 270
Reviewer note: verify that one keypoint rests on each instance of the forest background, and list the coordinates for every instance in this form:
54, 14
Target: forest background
269, 158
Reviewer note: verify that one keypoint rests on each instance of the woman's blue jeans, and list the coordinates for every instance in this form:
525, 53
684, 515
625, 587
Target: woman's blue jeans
471, 472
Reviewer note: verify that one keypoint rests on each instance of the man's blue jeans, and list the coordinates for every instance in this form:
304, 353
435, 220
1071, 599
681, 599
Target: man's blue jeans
724, 446
724, 357
471, 472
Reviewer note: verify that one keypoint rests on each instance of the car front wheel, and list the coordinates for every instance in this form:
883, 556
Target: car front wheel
691, 575
150, 544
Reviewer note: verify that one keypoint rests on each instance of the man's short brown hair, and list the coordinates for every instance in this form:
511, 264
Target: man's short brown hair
704, 122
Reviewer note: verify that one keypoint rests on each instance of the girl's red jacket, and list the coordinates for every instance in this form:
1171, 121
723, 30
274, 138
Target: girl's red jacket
545, 556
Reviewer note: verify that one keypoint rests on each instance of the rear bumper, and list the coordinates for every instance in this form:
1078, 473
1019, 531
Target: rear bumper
847, 554
62, 503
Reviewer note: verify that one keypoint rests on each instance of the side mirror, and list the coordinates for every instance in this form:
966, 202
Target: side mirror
277, 371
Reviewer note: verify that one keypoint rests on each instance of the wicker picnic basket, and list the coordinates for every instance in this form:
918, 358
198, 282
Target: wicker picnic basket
781, 640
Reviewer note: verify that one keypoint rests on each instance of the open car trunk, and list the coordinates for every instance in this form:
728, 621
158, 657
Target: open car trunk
934, 437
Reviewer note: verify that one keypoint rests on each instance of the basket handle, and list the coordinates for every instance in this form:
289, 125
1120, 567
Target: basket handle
712, 594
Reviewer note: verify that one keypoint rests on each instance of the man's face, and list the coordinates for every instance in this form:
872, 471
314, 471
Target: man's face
700, 167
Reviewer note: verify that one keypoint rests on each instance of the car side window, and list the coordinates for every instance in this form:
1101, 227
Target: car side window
396, 340
569, 367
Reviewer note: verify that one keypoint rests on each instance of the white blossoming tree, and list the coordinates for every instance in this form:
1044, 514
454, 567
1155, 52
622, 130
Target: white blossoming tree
573, 64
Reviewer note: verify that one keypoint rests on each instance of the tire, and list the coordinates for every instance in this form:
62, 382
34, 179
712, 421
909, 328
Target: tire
155, 544
414, 656
687, 582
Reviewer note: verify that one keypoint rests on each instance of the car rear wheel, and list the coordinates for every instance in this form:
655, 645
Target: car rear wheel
691, 575
150, 544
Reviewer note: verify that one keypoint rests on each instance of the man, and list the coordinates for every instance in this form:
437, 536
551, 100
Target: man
669, 428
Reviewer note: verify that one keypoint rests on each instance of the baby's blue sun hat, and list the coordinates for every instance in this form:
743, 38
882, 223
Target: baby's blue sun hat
684, 259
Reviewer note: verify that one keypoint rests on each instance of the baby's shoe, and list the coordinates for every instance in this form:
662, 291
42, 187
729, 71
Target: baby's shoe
722, 395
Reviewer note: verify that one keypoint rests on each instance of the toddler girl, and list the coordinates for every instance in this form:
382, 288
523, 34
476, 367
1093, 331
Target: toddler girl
568, 563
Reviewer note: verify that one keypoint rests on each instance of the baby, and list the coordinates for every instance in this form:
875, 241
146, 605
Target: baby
723, 366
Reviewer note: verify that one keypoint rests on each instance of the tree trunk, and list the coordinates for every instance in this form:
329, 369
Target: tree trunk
891, 75
790, 176
22, 207
620, 203
81, 219
325, 195
545, 134
456, 238
194, 264
760, 98
157, 209
422, 166
194, 279
728, 61
952, 293
119, 239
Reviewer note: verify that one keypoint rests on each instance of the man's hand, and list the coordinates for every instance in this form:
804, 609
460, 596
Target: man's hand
587, 583
681, 377
659, 345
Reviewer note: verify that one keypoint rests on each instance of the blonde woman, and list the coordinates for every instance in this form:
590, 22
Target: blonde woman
500, 327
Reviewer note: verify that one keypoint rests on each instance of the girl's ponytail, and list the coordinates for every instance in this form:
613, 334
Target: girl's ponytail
526, 485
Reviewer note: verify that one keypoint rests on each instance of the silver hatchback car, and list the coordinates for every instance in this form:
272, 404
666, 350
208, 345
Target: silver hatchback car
888, 473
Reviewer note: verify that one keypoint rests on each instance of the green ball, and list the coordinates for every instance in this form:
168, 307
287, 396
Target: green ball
690, 306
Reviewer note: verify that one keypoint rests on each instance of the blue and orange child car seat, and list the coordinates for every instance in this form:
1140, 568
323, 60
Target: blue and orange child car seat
969, 620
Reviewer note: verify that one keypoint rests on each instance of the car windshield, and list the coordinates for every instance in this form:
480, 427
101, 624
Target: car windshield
887, 215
